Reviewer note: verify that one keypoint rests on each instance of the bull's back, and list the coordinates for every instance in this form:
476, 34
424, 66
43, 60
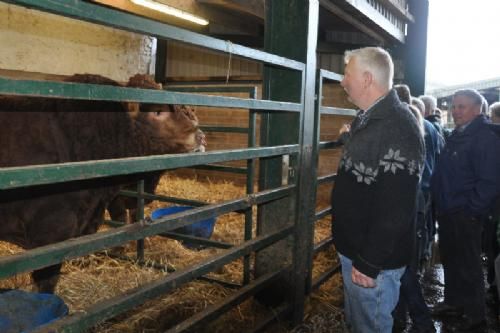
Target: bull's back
29, 135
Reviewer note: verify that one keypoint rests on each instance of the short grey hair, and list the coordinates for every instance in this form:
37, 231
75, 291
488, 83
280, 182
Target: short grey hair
430, 103
484, 107
375, 60
495, 109
417, 102
418, 116
472, 94
403, 92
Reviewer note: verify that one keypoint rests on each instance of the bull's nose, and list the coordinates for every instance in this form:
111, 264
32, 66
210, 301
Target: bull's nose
201, 138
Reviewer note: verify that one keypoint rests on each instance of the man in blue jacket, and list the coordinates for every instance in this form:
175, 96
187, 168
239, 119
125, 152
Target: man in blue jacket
464, 186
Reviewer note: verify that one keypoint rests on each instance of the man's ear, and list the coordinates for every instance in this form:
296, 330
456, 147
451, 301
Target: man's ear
367, 79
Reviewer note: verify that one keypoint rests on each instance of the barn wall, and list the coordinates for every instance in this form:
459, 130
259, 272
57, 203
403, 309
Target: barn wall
331, 62
38, 42
186, 62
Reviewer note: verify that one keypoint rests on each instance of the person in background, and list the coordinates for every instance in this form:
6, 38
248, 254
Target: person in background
434, 143
492, 226
374, 197
495, 213
430, 103
464, 186
495, 113
411, 299
417, 102
403, 92
429, 114
485, 108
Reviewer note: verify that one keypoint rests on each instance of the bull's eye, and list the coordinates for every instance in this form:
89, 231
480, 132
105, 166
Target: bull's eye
158, 113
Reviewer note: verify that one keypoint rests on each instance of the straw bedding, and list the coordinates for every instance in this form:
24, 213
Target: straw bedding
87, 280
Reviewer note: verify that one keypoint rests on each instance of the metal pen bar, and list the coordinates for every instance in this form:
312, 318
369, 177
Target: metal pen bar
80, 322
164, 198
214, 311
15, 177
323, 213
318, 247
225, 129
329, 110
329, 144
85, 91
44, 256
327, 178
324, 277
222, 168
324, 74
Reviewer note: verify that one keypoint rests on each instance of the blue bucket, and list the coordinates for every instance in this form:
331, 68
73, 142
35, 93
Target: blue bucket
202, 229
23, 311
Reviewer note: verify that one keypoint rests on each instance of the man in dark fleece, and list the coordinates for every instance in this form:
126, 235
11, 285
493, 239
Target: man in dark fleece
464, 186
375, 192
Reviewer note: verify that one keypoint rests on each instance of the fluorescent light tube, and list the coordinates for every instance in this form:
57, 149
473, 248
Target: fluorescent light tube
170, 11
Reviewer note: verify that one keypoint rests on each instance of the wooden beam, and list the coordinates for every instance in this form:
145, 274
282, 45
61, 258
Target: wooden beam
376, 17
344, 15
252, 7
397, 9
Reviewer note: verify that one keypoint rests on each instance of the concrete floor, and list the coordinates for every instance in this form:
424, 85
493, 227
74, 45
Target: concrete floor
433, 290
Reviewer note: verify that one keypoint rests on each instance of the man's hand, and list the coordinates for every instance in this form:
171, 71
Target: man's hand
362, 280
345, 128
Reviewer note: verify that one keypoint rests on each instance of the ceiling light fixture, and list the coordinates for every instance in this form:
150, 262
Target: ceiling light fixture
170, 11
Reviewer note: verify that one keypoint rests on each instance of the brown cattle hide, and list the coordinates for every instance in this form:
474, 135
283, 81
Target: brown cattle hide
42, 131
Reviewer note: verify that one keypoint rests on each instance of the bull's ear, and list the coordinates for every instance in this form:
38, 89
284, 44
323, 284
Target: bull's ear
133, 108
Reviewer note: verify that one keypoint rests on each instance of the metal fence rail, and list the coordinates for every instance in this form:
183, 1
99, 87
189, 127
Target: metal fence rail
15, 178
42, 175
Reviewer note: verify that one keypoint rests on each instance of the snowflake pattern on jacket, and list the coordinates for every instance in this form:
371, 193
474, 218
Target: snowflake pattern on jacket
391, 162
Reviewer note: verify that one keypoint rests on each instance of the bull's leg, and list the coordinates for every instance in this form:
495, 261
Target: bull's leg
46, 278
55, 221
117, 209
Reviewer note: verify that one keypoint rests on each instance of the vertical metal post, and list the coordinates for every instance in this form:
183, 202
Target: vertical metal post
252, 124
306, 194
161, 61
291, 31
140, 217
314, 167
285, 36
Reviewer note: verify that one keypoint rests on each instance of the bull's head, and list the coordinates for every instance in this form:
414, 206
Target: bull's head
172, 128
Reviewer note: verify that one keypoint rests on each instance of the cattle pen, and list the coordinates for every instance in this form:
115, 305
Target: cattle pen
277, 208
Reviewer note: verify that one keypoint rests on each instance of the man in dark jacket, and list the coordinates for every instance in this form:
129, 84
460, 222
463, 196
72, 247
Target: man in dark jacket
464, 186
375, 192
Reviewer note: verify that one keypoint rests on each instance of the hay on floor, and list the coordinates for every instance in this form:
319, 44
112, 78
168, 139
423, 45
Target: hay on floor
96, 277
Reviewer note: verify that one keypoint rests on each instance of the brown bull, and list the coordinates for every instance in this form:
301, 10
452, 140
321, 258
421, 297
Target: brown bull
44, 131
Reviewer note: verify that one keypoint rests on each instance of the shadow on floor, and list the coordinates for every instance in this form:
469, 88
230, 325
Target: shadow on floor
433, 289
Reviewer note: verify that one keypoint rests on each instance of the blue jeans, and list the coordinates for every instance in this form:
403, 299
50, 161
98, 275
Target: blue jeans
369, 310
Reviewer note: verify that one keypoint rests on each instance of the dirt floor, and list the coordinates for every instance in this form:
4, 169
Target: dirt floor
97, 277
330, 320
433, 289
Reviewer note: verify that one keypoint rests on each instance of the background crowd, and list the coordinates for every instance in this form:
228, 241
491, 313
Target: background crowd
405, 181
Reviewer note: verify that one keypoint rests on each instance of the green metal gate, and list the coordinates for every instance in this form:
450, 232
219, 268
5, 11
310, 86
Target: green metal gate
300, 190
